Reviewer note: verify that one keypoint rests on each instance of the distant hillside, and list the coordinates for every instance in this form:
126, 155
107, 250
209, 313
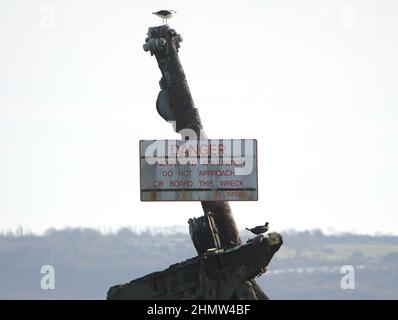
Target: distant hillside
88, 262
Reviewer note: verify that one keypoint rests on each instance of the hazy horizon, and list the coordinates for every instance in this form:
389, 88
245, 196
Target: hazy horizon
174, 229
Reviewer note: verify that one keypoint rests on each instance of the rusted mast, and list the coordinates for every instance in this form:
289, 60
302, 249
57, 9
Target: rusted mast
175, 104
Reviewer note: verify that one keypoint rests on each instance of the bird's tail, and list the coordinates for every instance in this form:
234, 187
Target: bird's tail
247, 229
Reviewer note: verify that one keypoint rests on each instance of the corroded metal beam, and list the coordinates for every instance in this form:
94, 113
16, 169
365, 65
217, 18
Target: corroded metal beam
175, 104
222, 275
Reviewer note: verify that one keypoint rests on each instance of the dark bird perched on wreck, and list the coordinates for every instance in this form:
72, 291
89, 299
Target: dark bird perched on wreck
259, 229
164, 14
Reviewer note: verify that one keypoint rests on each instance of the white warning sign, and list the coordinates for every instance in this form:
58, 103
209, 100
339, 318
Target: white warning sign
198, 170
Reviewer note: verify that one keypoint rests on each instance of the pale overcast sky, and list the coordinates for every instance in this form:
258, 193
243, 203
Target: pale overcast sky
315, 82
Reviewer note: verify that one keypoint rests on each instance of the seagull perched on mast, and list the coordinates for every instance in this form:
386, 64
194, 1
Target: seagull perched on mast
259, 229
164, 14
